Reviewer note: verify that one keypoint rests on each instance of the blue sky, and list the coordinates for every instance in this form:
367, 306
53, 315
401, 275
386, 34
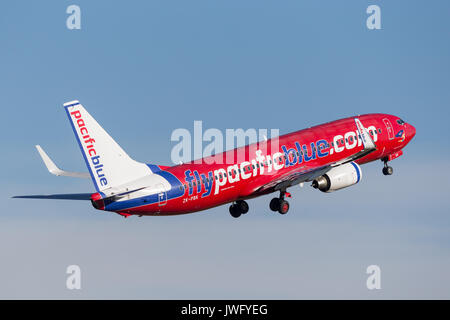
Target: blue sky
146, 68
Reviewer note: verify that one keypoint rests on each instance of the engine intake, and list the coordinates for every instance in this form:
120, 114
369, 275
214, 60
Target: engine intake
338, 178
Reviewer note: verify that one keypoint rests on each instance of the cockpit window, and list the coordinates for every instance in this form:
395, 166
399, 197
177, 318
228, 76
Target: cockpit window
400, 121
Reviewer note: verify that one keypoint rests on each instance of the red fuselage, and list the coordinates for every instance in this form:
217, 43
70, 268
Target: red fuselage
238, 174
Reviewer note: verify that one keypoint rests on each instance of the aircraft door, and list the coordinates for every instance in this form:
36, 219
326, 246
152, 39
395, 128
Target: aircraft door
389, 129
162, 195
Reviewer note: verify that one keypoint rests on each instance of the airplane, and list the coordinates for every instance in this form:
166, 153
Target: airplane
327, 155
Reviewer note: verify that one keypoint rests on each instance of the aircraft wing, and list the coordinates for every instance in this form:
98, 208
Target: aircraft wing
305, 174
353, 157
293, 178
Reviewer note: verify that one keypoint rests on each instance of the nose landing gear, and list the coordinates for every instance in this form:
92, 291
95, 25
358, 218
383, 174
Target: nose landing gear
387, 170
279, 204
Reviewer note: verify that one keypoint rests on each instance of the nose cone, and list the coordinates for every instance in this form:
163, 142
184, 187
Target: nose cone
410, 132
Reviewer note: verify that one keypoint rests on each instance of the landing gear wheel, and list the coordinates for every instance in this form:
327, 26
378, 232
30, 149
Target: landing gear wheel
242, 206
387, 171
274, 204
234, 211
284, 207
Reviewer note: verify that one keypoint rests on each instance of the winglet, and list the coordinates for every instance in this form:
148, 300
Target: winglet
53, 169
365, 136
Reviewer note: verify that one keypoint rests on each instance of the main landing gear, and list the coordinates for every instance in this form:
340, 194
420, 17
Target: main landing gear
238, 208
387, 170
279, 204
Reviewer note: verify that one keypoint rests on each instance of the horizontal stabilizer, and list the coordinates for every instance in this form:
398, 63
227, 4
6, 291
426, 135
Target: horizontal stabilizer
53, 169
68, 196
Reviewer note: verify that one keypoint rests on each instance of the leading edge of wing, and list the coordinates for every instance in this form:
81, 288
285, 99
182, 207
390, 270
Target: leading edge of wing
292, 178
67, 196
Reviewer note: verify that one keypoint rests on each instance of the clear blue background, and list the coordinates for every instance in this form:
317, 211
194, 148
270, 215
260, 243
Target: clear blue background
145, 68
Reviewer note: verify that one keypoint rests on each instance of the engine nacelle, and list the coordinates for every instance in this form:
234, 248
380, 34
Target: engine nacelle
338, 178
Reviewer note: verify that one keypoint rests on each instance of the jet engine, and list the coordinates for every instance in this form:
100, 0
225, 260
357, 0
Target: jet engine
338, 178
